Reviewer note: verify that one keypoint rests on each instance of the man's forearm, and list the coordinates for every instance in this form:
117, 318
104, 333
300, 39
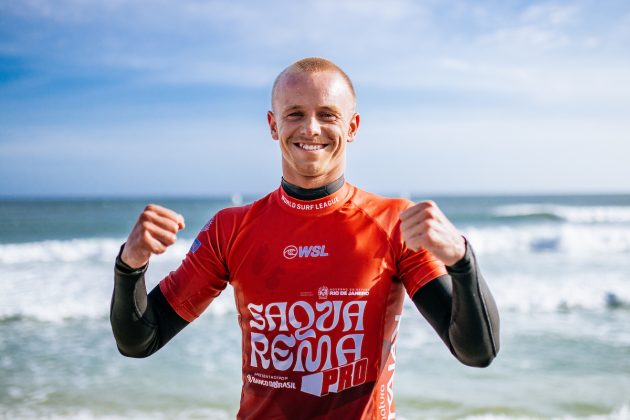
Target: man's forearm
462, 310
141, 323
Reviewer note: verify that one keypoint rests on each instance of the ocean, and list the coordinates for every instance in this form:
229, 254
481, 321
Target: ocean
558, 266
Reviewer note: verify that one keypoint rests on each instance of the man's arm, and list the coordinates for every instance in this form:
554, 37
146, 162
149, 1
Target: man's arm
141, 323
459, 305
461, 309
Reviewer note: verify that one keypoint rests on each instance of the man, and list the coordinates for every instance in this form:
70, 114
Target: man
319, 270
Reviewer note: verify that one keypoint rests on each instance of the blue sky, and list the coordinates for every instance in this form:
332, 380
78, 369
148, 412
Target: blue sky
169, 97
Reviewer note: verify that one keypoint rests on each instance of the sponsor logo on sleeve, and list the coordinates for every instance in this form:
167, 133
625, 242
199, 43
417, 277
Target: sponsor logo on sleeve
207, 226
195, 246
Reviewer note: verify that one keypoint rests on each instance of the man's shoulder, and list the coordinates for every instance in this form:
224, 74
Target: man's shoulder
234, 211
371, 202
236, 214
383, 211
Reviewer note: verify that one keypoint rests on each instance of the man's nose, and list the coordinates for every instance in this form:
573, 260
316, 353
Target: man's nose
311, 127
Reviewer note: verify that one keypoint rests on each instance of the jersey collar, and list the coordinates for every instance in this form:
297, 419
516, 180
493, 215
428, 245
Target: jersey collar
317, 207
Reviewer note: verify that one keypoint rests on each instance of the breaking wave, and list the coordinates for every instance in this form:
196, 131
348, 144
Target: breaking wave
572, 214
581, 240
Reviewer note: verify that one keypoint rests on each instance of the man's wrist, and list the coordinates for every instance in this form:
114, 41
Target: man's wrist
464, 263
125, 268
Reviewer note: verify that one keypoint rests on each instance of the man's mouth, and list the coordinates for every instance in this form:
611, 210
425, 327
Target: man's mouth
310, 147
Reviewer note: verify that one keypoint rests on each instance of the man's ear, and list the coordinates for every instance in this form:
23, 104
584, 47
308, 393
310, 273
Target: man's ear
354, 126
273, 125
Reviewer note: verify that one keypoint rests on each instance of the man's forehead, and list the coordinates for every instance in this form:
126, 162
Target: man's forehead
325, 80
326, 84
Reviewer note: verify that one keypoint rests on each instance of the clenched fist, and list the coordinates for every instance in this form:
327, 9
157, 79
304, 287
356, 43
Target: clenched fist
425, 226
154, 231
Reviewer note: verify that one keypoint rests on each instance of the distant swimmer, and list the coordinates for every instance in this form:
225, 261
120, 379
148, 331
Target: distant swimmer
319, 268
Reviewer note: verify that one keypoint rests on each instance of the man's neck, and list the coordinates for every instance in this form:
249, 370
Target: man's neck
312, 193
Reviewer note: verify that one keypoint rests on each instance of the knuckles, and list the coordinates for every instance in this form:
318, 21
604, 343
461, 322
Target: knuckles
171, 239
145, 218
427, 225
150, 217
421, 207
426, 205
145, 225
158, 249
431, 236
146, 236
429, 214
152, 234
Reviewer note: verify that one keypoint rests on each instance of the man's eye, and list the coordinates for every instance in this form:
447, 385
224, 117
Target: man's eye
328, 116
295, 115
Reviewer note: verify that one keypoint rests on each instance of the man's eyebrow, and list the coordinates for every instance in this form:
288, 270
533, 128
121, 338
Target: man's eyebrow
332, 108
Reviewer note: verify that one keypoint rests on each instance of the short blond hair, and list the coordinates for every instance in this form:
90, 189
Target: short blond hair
312, 65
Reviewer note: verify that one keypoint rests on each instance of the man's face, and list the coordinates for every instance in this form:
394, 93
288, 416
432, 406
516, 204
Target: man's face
313, 117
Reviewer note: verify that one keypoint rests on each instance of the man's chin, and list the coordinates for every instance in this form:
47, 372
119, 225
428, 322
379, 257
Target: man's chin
309, 172
312, 173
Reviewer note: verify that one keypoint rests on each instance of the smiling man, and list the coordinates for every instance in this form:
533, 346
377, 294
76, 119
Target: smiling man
319, 269
313, 118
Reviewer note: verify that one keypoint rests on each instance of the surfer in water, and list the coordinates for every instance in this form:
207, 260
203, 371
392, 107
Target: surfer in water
319, 270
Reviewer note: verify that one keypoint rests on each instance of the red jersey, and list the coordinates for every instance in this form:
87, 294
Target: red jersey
319, 288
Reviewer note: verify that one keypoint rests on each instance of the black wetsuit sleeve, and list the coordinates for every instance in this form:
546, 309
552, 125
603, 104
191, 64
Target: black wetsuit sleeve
141, 323
461, 309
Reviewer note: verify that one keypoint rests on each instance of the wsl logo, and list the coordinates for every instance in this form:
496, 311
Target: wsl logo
306, 251
290, 252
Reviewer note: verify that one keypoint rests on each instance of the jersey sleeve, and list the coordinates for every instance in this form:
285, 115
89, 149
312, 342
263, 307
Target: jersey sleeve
202, 275
415, 269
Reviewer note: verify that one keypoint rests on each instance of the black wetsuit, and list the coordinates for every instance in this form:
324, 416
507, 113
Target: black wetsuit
459, 306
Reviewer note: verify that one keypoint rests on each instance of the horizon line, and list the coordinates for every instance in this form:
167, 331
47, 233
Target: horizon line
238, 196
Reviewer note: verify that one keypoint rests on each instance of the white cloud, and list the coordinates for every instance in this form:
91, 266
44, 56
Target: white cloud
393, 11
539, 53
527, 36
485, 154
551, 13
404, 44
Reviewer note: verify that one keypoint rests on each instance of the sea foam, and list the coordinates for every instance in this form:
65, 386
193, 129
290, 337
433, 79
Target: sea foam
569, 239
54, 281
573, 214
74, 250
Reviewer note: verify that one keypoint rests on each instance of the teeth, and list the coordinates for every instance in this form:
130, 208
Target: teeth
311, 147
